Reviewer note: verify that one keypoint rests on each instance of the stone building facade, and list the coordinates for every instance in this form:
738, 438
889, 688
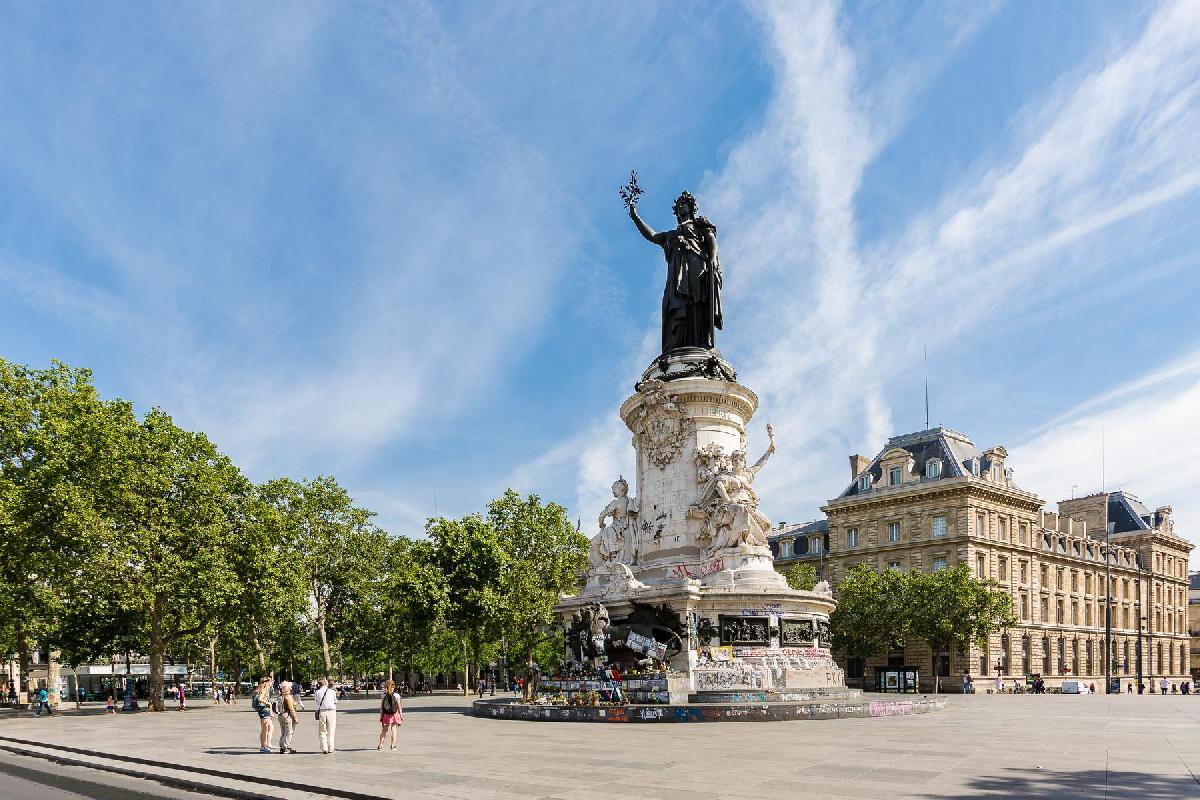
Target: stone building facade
931, 500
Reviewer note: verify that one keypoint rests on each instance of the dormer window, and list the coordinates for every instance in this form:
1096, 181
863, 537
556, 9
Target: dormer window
933, 468
975, 467
894, 476
864, 482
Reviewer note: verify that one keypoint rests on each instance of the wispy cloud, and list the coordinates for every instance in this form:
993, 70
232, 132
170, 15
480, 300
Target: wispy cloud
1142, 436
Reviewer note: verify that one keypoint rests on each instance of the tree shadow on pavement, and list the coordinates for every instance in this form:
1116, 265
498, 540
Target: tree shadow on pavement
1058, 785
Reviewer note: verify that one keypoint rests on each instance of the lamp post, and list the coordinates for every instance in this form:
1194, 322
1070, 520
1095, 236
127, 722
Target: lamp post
1108, 607
1137, 584
128, 704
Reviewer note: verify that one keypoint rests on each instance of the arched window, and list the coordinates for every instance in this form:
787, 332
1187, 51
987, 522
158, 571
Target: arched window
864, 482
1125, 656
1090, 664
933, 468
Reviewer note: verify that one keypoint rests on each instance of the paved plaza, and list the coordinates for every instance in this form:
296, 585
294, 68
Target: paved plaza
982, 746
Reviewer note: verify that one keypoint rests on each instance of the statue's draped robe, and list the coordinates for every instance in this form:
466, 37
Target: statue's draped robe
691, 306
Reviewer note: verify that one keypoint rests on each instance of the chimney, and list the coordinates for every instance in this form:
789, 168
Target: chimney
857, 465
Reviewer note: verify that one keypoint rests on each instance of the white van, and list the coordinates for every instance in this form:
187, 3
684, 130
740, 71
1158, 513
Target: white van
1072, 687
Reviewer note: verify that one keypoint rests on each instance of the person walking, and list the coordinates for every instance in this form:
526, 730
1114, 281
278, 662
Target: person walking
1163, 684
325, 700
110, 707
261, 703
391, 714
44, 702
287, 717
181, 696
999, 685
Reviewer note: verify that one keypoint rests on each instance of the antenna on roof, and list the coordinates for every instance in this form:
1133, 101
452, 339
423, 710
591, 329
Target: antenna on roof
1103, 486
926, 350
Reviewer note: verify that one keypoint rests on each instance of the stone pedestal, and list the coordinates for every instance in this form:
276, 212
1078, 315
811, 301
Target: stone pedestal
687, 562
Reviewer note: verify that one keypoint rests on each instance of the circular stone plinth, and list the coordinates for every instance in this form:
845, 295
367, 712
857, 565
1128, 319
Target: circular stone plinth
708, 712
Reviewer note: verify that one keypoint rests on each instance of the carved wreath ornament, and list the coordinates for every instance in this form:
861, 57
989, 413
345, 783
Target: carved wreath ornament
660, 426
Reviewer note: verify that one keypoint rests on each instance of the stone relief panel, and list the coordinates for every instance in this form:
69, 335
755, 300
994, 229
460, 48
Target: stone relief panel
660, 425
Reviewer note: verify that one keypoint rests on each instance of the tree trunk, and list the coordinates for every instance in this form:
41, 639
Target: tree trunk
262, 659
212, 660
157, 645
324, 644
466, 687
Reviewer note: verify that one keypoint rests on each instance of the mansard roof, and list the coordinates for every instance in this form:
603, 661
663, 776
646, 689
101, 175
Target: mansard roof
955, 450
1131, 514
803, 529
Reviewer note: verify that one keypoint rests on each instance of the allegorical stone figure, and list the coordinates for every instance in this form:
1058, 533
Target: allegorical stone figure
691, 305
615, 541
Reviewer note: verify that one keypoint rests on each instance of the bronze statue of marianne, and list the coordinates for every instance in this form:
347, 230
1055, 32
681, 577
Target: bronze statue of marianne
691, 305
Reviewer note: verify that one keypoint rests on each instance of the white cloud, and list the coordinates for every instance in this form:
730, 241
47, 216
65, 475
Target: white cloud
822, 325
1141, 437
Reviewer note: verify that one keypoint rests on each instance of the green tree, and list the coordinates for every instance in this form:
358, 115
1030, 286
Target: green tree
471, 560
802, 577
950, 609
543, 553
172, 511
334, 543
872, 612
55, 448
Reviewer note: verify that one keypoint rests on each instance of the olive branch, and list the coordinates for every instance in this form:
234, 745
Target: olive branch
631, 191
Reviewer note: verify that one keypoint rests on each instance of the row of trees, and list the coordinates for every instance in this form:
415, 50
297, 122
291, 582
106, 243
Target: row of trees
123, 532
946, 609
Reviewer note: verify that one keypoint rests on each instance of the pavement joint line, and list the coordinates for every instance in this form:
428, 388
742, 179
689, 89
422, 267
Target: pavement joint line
346, 794
165, 780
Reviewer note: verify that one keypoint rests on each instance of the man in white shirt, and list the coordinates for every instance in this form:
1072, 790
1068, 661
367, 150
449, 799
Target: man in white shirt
325, 700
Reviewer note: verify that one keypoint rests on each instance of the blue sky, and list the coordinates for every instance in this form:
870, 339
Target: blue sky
383, 241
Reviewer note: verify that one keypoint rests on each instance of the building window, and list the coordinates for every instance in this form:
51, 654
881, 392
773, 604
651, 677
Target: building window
894, 565
1024, 532
1058, 605
933, 468
1045, 617
785, 548
1087, 583
1045, 577
939, 563
1046, 654
896, 657
1059, 579
814, 545
1062, 656
1074, 581
1026, 655
980, 567
1088, 651
1003, 569
852, 537
975, 467
893, 532
1125, 656
1002, 529
1088, 614
941, 663
980, 530
1025, 608
894, 476
1024, 572
864, 482
939, 526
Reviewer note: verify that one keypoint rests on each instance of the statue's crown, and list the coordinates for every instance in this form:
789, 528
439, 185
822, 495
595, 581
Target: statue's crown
686, 199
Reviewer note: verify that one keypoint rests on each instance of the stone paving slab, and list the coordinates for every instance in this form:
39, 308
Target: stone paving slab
982, 746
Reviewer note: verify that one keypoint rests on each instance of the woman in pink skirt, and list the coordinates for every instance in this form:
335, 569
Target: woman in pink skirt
391, 715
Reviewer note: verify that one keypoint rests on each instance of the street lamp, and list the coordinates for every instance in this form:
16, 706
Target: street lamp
1108, 530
